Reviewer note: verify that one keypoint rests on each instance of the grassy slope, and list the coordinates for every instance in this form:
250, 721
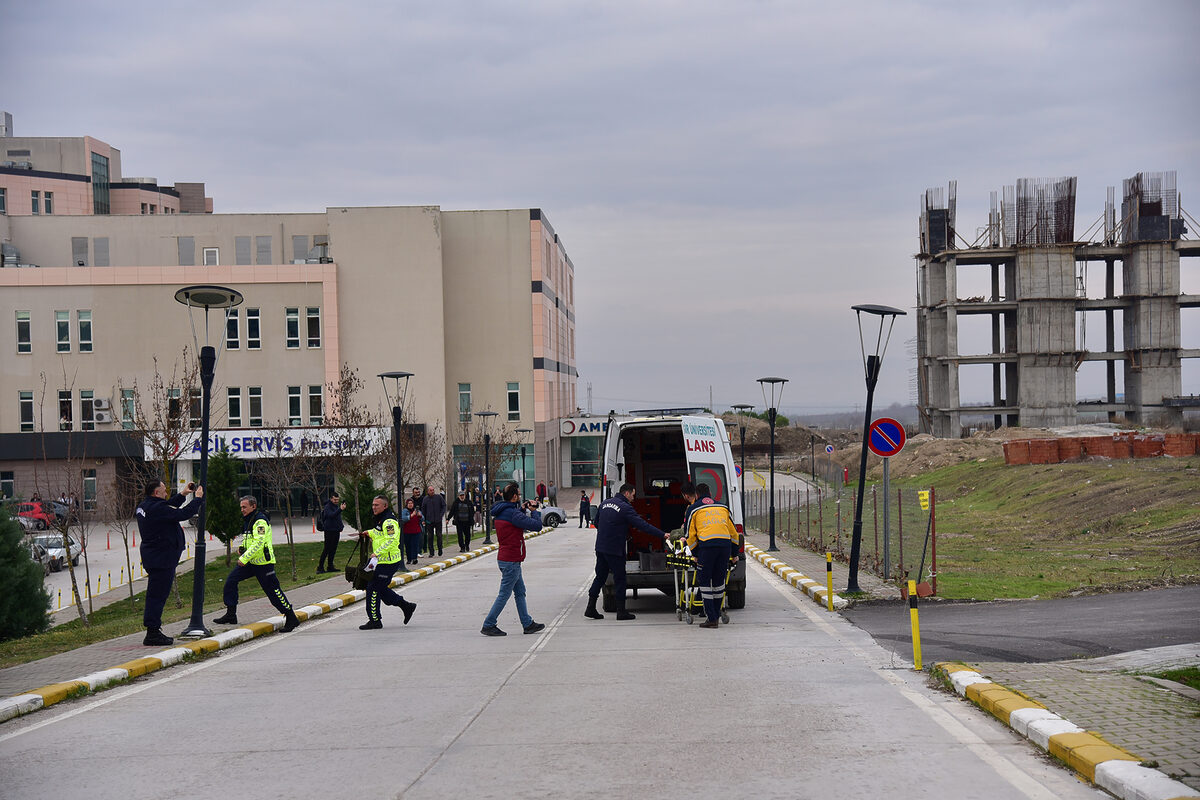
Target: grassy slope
1006, 531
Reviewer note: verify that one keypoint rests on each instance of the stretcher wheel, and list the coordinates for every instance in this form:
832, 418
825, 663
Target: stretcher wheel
724, 618
687, 617
679, 614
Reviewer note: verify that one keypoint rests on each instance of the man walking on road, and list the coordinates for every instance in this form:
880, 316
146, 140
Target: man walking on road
613, 520
385, 560
162, 544
256, 559
433, 508
511, 522
462, 512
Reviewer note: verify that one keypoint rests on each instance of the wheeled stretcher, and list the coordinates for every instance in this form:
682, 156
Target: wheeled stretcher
688, 602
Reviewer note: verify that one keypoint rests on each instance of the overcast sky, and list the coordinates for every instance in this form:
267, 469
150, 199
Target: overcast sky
728, 178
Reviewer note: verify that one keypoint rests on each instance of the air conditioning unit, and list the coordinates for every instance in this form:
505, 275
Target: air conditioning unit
104, 416
101, 404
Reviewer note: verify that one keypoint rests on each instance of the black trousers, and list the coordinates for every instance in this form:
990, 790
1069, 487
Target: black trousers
158, 588
379, 590
583, 517
714, 564
432, 527
267, 579
607, 563
330, 550
464, 535
412, 545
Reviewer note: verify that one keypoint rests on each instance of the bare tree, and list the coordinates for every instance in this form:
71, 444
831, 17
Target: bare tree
281, 471
119, 514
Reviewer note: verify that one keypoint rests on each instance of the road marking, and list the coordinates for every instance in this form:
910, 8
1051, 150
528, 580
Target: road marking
1004, 767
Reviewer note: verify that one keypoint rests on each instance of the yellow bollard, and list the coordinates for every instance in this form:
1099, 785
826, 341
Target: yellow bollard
829, 579
110, 580
60, 599
916, 626
122, 578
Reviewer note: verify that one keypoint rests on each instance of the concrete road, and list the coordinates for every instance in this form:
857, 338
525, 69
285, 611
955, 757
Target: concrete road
1038, 630
787, 701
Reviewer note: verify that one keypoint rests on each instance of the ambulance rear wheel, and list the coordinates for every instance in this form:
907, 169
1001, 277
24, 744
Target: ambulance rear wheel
736, 598
609, 599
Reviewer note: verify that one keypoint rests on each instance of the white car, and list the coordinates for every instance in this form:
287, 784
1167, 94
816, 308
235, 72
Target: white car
552, 516
54, 547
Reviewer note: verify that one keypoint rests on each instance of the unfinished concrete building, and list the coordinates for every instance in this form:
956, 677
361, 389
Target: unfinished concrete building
1038, 301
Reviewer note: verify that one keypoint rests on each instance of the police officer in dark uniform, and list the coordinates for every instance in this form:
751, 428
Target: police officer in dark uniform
256, 559
613, 520
162, 544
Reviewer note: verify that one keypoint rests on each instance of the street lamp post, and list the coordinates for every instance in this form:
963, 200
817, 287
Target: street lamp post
397, 404
206, 297
524, 472
487, 474
741, 409
887, 315
776, 385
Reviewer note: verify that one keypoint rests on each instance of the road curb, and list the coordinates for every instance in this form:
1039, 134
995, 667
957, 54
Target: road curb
1087, 753
796, 578
35, 699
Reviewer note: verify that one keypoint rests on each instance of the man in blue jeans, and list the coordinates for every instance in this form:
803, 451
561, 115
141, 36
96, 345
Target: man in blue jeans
511, 522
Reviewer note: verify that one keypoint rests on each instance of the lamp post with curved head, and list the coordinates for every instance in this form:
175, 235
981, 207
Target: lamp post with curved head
485, 419
524, 472
741, 409
207, 298
776, 385
397, 404
871, 363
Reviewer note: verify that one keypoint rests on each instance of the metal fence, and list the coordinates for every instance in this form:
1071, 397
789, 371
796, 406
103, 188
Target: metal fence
822, 520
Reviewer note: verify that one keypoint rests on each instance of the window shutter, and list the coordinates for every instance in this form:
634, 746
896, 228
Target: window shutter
100, 248
263, 246
242, 246
79, 251
187, 251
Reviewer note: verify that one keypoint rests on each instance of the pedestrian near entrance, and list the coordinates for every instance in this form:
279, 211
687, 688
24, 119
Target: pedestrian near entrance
385, 560
330, 523
711, 536
613, 520
162, 544
541, 490
433, 508
552, 493
585, 509
256, 559
462, 512
410, 521
511, 522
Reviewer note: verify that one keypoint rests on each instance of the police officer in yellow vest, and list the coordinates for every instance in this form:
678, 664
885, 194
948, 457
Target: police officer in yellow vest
256, 558
712, 537
385, 560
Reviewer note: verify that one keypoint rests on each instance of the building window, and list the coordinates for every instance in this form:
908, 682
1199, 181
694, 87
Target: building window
253, 331
174, 405
514, 401
89, 490
3, 201
195, 404
24, 342
84, 319
262, 250
235, 406
87, 410
25, 407
254, 397
232, 339
8, 485
153, 208
313, 315
294, 418
464, 402
211, 256
129, 407
241, 249
316, 406
65, 422
49, 202
143, 208
99, 184
292, 327
35, 202
62, 330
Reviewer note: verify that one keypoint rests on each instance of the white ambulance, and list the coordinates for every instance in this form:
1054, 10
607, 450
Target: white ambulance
657, 452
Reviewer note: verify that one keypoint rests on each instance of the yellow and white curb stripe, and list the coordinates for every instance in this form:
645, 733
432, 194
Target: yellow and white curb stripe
796, 578
35, 699
1101, 763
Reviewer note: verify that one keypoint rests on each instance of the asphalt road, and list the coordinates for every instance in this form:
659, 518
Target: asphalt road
787, 701
1038, 630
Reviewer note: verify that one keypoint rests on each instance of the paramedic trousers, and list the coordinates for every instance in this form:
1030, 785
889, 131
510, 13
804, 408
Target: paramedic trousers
379, 589
265, 573
714, 566
607, 563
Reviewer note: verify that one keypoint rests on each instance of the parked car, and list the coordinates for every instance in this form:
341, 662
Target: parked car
42, 515
54, 546
38, 554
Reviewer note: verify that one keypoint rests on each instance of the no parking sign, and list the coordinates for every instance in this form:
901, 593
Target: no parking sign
886, 437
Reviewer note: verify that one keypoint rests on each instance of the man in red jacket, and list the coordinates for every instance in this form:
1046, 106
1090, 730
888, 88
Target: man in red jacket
511, 522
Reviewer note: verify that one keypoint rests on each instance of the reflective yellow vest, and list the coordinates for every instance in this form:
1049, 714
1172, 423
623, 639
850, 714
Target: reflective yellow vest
385, 540
710, 523
258, 543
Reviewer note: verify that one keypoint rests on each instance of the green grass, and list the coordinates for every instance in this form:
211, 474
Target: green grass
1046, 530
125, 616
1188, 676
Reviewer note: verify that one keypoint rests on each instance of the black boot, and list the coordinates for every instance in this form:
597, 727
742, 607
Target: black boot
228, 618
156, 638
408, 609
290, 621
372, 624
623, 614
591, 612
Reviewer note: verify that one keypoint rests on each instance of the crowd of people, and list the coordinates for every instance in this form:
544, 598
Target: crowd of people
390, 541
